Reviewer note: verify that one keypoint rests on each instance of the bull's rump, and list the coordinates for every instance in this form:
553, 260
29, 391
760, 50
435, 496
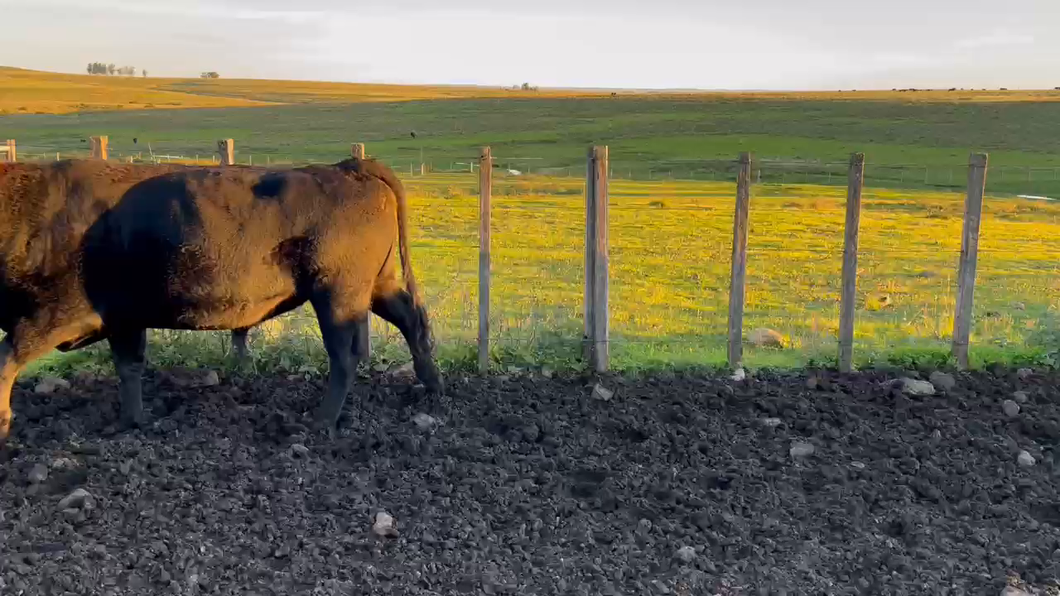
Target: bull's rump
220, 249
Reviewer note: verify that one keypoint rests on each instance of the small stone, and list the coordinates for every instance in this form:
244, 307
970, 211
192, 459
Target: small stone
1021, 397
48, 385
63, 463
800, 449
425, 422
38, 474
1024, 373
739, 375
685, 554
942, 381
547, 373
772, 422
1025, 459
282, 552
211, 379
602, 393
72, 514
857, 465
1011, 408
813, 383
85, 377
765, 338
299, 450
917, 387
405, 370
383, 526
79, 499
1014, 591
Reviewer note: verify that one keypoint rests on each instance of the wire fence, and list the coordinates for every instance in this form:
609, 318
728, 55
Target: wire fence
670, 240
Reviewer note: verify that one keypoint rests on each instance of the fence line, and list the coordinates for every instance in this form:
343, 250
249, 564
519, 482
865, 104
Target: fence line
738, 281
485, 198
596, 266
850, 262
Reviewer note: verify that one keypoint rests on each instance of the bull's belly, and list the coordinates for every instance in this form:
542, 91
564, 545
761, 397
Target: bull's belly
220, 314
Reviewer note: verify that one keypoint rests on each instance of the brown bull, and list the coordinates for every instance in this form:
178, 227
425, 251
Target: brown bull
201, 248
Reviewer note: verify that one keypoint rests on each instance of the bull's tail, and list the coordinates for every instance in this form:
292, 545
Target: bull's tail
377, 170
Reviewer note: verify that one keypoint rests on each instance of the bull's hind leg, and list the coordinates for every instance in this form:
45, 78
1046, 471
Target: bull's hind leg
398, 308
341, 328
127, 349
240, 347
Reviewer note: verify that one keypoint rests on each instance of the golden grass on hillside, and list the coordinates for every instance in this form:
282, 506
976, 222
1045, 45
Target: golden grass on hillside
31, 92
35, 92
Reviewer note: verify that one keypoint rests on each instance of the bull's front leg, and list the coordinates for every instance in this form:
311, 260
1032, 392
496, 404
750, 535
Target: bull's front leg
29, 340
127, 349
8, 372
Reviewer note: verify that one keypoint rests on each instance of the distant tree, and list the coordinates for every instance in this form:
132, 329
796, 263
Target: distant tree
111, 69
145, 73
210, 75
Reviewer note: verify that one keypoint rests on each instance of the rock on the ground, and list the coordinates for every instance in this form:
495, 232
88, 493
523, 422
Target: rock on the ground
602, 393
765, 338
49, 385
1025, 459
1010, 408
38, 474
685, 554
739, 375
425, 422
1014, 591
801, 449
63, 463
1020, 397
383, 525
299, 450
1024, 373
942, 381
772, 422
210, 379
917, 387
406, 370
79, 499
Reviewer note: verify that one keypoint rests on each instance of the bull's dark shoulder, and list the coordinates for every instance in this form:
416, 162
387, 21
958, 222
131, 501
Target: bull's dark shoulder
270, 186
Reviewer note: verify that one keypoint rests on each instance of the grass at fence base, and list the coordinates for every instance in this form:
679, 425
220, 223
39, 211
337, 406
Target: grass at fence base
670, 260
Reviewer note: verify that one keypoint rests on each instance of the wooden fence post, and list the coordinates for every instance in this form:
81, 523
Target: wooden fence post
227, 149
485, 198
596, 260
973, 212
358, 151
856, 182
11, 152
739, 261
99, 147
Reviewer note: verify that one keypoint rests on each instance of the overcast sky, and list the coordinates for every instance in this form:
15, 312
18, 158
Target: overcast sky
707, 44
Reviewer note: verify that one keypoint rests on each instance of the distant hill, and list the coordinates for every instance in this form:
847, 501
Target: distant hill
35, 92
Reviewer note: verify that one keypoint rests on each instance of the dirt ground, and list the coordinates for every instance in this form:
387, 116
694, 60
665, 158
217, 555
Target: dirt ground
675, 485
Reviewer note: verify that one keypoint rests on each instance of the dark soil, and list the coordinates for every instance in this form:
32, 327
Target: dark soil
532, 486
